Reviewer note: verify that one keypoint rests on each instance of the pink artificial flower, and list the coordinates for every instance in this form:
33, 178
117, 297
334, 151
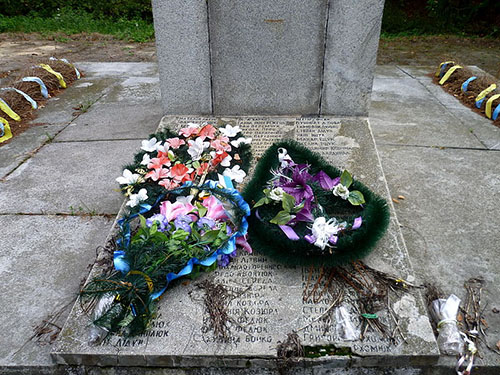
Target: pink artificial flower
216, 210
220, 145
219, 158
192, 129
208, 131
242, 241
156, 174
176, 142
159, 162
172, 210
181, 173
168, 184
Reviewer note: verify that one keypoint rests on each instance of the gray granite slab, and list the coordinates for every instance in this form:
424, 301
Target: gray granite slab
266, 56
182, 41
23, 145
351, 51
75, 177
41, 267
270, 300
450, 222
121, 120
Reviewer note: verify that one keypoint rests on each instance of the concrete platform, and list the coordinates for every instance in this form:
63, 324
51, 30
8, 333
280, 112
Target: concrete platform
447, 170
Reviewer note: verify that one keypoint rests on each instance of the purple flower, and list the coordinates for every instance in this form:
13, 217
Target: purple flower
182, 222
206, 221
160, 220
224, 259
298, 187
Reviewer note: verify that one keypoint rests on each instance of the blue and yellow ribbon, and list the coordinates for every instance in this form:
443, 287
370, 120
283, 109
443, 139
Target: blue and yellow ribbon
5, 132
25, 96
43, 88
58, 75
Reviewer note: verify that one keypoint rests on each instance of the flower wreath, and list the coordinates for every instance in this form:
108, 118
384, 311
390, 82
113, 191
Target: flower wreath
186, 231
197, 153
307, 212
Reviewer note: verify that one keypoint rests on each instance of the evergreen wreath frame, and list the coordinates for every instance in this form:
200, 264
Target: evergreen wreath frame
270, 239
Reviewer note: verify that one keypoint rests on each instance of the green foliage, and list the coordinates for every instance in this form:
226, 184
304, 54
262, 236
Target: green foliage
69, 21
416, 17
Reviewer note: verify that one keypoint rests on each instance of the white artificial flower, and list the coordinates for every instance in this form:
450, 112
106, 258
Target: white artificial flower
162, 148
197, 147
322, 230
230, 131
145, 159
135, 199
128, 178
226, 162
184, 200
235, 173
277, 194
341, 191
241, 140
151, 145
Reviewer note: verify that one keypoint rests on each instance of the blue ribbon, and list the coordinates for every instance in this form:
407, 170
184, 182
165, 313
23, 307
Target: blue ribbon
496, 112
43, 88
479, 103
443, 69
465, 85
230, 245
26, 96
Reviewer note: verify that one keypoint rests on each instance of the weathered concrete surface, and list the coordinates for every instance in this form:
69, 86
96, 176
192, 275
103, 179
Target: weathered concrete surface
41, 267
273, 305
113, 122
19, 149
182, 40
268, 59
351, 52
76, 177
448, 216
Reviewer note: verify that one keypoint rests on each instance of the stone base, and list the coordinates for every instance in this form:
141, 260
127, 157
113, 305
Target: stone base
269, 298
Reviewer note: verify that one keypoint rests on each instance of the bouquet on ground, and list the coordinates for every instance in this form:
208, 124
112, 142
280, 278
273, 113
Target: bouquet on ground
190, 230
196, 153
308, 212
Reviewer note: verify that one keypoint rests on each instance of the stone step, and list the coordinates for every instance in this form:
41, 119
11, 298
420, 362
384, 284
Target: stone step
269, 301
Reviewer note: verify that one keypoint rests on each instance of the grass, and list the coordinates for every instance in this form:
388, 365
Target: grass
70, 22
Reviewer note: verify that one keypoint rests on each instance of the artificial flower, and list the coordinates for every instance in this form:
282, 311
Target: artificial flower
160, 220
172, 210
235, 173
215, 210
168, 184
151, 145
202, 169
127, 178
241, 140
276, 194
191, 129
180, 172
218, 157
230, 131
220, 145
135, 199
157, 174
163, 148
146, 159
157, 163
197, 147
183, 222
208, 131
226, 162
184, 199
176, 142
341, 191
323, 230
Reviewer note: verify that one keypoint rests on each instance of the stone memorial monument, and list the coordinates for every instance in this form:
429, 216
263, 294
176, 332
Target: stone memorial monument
278, 69
262, 57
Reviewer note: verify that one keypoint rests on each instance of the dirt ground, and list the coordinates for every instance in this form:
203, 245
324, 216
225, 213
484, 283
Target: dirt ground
20, 50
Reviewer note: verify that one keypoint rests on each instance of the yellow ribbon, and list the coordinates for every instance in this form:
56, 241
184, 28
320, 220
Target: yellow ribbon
486, 91
5, 107
440, 65
489, 103
6, 129
149, 282
449, 73
57, 74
